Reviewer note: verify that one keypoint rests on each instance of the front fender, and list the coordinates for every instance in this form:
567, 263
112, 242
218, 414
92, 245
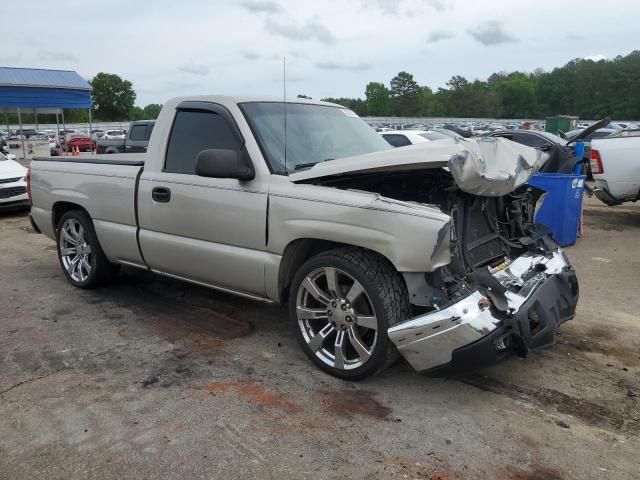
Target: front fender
414, 238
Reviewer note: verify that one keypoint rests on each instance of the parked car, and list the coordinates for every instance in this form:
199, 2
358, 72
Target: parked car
13, 184
96, 135
544, 141
402, 138
26, 132
372, 248
463, 132
615, 167
81, 141
135, 141
449, 133
52, 139
113, 134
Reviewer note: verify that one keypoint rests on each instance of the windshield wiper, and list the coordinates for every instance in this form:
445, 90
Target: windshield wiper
301, 166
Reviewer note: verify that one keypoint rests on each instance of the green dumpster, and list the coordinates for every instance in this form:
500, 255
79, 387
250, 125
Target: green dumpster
565, 123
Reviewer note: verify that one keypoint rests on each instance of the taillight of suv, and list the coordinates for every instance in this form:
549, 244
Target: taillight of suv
595, 162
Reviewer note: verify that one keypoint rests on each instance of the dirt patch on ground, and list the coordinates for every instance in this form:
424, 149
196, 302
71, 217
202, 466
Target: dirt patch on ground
255, 394
537, 473
603, 341
615, 219
412, 469
354, 402
177, 312
586, 411
200, 331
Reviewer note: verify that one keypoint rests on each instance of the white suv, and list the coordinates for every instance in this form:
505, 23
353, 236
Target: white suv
13, 184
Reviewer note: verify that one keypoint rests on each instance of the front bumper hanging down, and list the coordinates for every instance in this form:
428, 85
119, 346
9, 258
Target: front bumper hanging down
541, 293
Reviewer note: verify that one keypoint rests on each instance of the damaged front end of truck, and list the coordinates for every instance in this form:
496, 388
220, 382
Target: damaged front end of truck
507, 286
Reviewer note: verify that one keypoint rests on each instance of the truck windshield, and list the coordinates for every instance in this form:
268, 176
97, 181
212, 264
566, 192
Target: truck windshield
314, 133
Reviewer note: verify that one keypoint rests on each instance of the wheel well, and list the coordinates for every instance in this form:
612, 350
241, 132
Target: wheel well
298, 252
60, 208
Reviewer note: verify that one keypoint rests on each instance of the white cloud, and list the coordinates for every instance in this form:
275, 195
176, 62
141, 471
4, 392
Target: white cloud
438, 35
311, 29
261, 6
491, 32
349, 66
250, 54
194, 68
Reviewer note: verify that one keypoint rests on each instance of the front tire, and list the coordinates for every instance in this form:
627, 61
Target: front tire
79, 252
341, 303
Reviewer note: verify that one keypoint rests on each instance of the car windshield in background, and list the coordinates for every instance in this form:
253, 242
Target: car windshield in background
433, 135
315, 133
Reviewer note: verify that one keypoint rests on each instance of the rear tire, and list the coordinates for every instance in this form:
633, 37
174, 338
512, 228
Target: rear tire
341, 304
80, 254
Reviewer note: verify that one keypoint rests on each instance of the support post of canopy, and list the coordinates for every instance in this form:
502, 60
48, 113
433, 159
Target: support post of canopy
90, 131
57, 133
64, 131
24, 153
35, 112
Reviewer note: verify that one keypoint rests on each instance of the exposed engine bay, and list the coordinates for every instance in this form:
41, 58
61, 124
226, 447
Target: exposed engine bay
485, 232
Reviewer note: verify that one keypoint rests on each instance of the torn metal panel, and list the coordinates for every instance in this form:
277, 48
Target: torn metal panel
414, 157
493, 167
486, 166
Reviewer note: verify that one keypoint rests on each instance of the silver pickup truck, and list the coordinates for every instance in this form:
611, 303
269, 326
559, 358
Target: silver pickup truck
427, 250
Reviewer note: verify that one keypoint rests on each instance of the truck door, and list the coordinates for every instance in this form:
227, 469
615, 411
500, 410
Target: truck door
208, 230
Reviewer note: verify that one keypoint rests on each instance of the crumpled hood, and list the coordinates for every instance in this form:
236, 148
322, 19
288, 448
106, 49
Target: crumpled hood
493, 167
488, 166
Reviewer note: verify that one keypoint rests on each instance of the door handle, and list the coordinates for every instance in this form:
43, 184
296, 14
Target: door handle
161, 194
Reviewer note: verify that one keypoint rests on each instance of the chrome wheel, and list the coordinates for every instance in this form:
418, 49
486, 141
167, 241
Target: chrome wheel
336, 318
75, 250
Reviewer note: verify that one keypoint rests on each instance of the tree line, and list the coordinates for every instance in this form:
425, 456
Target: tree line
585, 88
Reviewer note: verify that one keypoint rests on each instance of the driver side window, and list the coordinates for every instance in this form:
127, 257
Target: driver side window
192, 132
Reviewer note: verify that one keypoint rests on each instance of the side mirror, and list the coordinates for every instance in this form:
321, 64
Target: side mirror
219, 163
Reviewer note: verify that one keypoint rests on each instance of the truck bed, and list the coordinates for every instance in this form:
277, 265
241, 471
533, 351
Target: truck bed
106, 159
619, 157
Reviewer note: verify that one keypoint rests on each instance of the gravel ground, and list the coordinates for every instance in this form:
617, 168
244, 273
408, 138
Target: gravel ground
153, 378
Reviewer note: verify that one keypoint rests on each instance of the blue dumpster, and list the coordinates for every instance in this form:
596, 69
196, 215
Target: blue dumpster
562, 206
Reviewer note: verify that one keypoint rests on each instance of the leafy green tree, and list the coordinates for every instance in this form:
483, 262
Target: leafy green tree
517, 92
113, 97
405, 94
137, 113
152, 111
358, 105
426, 102
378, 99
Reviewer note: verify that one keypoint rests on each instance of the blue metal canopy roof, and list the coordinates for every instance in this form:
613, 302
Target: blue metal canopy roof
31, 88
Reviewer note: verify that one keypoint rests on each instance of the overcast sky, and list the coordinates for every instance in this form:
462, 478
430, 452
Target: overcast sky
333, 47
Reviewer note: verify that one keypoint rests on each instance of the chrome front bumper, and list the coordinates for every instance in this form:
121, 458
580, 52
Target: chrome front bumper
430, 340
